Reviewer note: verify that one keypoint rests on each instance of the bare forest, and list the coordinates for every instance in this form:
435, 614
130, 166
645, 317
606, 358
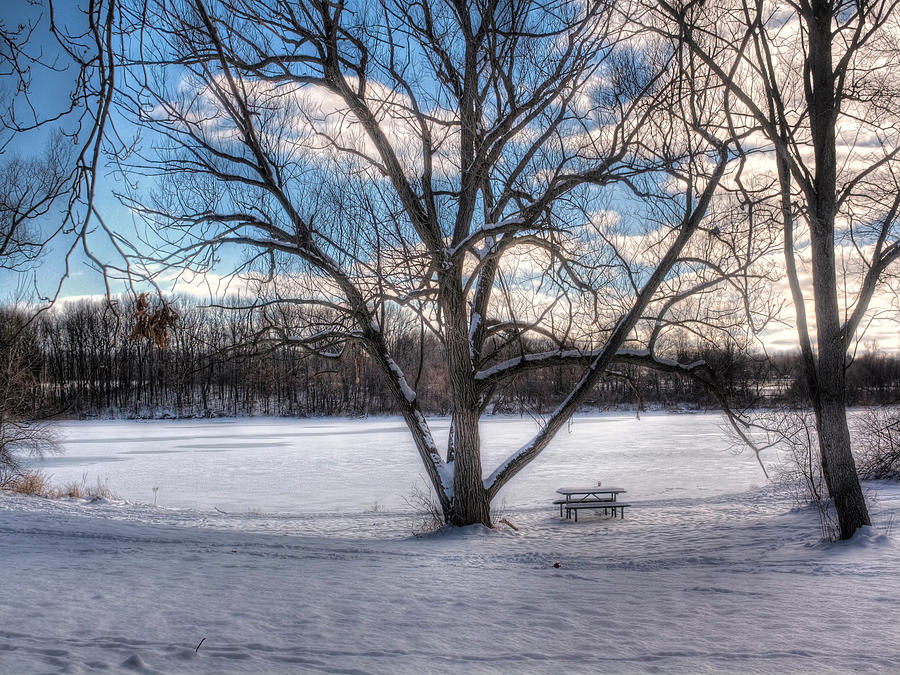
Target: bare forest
82, 361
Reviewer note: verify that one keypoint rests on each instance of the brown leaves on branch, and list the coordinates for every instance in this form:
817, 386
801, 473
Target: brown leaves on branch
153, 322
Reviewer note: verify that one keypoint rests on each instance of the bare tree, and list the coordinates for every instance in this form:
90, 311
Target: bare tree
29, 188
501, 173
57, 77
819, 85
21, 435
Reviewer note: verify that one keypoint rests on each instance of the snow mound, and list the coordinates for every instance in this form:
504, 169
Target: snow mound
136, 663
868, 536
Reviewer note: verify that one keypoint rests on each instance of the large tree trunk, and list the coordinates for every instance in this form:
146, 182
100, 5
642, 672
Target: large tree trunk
838, 466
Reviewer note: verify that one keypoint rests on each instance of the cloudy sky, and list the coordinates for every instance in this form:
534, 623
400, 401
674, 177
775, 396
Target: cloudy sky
315, 113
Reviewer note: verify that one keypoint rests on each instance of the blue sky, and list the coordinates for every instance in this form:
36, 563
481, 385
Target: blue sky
50, 94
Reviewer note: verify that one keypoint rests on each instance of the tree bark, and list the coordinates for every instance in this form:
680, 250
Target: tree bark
470, 504
838, 466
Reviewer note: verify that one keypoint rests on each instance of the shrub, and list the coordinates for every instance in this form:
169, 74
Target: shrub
877, 443
428, 514
792, 434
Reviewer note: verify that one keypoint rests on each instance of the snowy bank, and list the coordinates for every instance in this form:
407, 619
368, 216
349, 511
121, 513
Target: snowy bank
735, 583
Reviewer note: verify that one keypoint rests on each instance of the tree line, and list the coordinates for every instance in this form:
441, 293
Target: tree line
83, 359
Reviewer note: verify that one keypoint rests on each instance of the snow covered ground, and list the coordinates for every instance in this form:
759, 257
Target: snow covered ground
721, 576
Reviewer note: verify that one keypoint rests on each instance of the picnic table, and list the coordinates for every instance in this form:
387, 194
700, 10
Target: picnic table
592, 497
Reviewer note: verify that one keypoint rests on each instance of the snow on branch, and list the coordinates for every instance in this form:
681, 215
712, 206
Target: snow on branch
490, 230
400, 378
518, 364
440, 472
328, 343
643, 357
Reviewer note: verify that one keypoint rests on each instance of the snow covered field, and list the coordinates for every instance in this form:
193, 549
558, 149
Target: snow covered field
711, 571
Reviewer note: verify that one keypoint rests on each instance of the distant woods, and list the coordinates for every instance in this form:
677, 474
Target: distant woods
86, 359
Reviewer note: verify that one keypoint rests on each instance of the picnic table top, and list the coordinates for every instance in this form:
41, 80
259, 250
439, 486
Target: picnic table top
596, 505
596, 489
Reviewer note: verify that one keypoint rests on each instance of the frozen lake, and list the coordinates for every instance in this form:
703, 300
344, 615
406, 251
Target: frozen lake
356, 465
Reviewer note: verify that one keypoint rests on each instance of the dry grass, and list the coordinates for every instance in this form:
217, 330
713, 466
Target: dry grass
28, 483
37, 484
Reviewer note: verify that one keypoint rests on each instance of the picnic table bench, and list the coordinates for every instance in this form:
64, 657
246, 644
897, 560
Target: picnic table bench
593, 497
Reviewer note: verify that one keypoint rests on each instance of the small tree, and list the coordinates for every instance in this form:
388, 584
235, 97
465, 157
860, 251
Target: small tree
20, 434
